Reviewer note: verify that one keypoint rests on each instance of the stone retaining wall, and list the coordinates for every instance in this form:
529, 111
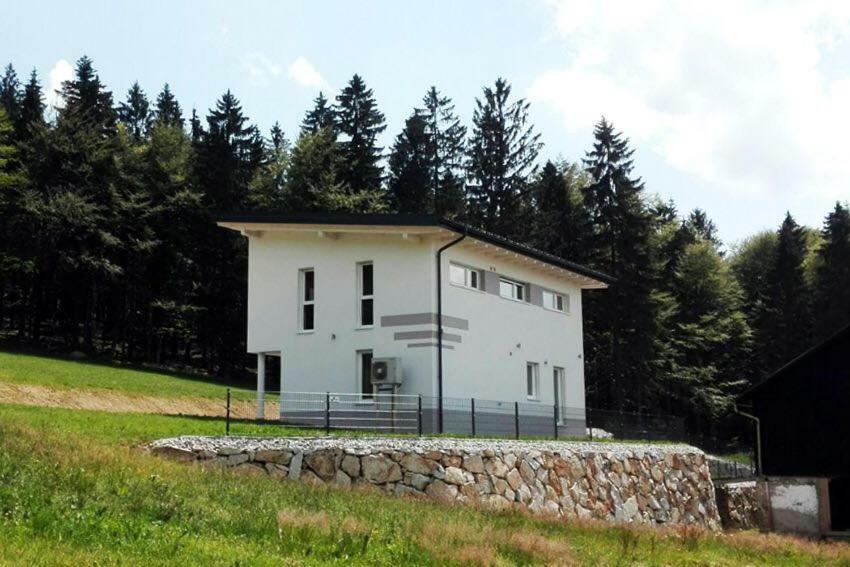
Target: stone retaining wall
629, 484
741, 505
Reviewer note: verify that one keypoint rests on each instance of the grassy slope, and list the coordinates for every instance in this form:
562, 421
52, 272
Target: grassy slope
59, 373
74, 489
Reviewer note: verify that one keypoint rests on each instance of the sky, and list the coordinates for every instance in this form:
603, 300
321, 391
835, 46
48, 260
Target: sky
739, 108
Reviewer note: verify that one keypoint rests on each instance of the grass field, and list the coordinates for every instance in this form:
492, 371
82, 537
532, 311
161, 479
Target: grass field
58, 373
76, 489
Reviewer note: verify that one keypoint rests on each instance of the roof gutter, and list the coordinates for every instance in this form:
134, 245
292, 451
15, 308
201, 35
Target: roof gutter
758, 434
440, 326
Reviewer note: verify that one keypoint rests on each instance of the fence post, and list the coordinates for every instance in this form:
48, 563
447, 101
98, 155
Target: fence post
419, 412
555, 419
227, 415
327, 413
516, 420
588, 422
472, 405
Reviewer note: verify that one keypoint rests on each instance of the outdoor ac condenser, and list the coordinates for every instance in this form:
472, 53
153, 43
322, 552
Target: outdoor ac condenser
386, 371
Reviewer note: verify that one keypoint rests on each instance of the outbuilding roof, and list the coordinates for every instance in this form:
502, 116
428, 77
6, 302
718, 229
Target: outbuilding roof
411, 220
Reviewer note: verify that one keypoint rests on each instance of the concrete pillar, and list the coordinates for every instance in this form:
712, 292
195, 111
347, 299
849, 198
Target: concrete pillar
282, 387
261, 385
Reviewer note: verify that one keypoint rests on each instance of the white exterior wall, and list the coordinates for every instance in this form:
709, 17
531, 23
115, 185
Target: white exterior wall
326, 359
485, 364
504, 335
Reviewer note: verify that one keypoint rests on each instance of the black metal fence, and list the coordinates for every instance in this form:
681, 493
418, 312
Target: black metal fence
428, 415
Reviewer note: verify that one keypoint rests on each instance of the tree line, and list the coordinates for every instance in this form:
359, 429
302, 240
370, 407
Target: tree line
108, 243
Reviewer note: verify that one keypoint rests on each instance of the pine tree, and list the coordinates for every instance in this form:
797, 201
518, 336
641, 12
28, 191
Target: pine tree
196, 130
359, 122
786, 328
277, 138
10, 94
832, 280
702, 227
135, 113
319, 117
410, 180
167, 108
502, 150
446, 150
622, 323
561, 223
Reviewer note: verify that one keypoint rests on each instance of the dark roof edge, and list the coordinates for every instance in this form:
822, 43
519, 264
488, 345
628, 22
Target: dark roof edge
403, 219
794, 362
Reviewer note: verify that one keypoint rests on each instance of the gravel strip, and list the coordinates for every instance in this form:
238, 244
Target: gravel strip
367, 445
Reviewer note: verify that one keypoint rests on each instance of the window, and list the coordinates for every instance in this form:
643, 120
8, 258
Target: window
465, 276
366, 294
364, 373
307, 299
512, 290
532, 380
556, 301
561, 393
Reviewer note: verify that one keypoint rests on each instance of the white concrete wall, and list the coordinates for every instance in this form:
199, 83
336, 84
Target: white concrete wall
326, 360
504, 335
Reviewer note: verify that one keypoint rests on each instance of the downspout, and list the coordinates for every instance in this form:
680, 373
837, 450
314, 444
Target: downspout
440, 326
758, 435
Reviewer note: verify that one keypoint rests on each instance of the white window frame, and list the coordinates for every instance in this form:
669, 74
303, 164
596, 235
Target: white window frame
559, 377
468, 273
556, 295
515, 285
361, 297
303, 302
532, 378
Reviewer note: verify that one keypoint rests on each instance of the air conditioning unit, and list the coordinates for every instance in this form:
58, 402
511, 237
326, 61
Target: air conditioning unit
386, 371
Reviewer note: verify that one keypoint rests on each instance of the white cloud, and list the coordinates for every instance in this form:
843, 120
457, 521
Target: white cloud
62, 71
260, 68
305, 75
751, 96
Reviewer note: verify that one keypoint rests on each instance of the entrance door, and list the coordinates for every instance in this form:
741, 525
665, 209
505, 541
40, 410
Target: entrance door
364, 373
839, 503
560, 378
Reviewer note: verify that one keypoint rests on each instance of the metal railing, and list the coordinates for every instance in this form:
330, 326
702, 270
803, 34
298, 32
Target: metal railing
420, 415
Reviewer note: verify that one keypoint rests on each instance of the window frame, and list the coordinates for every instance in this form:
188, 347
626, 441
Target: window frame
303, 302
515, 285
532, 380
363, 297
364, 396
559, 377
564, 297
468, 272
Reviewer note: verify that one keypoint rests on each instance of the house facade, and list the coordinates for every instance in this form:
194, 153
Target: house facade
328, 293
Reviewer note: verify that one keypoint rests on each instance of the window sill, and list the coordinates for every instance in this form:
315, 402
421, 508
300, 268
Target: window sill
521, 301
466, 287
530, 399
364, 328
305, 331
556, 311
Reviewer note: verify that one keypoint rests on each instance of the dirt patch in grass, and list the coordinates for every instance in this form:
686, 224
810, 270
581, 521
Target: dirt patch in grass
117, 402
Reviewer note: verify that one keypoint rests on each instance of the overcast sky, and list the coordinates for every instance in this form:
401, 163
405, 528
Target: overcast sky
740, 108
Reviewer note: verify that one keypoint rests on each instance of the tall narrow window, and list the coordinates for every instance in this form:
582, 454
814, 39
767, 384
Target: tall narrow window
307, 297
511, 289
532, 380
556, 301
366, 292
364, 371
465, 276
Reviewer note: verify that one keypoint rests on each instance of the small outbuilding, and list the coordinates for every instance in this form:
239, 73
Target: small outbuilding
802, 415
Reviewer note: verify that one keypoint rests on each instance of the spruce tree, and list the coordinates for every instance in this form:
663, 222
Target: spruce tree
561, 222
10, 93
32, 104
277, 138
167, 109
832, 279
319, 117
135, 113
410, 181
86, 99
786, 327
359, 122
446, 150
622, 322
503, 149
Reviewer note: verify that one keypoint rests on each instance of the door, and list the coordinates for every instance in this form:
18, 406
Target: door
560, 378
364, 373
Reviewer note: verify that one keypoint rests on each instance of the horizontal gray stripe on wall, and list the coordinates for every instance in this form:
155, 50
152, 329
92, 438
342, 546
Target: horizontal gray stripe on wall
406, 335
423, 319
416, 345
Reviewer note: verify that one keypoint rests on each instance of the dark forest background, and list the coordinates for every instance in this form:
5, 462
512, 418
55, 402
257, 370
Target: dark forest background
108, 243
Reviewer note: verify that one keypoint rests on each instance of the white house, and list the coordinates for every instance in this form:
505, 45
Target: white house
328, 292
